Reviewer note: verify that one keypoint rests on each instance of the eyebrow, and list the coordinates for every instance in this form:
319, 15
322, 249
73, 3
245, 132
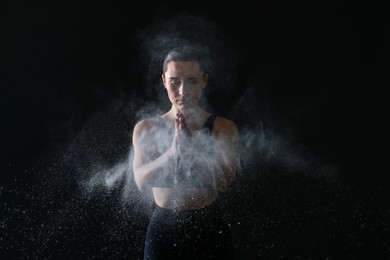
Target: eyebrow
187, 78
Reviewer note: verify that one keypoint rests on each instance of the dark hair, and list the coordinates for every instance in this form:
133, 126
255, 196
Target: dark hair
187, 53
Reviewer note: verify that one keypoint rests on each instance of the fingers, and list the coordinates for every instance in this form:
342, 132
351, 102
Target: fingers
180, 121
180, 125
182, 142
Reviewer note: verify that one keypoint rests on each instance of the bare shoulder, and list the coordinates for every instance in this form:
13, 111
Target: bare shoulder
145, 123
144, 127
225, 126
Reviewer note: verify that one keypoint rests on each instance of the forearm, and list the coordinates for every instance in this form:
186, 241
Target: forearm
208, 172
147, 174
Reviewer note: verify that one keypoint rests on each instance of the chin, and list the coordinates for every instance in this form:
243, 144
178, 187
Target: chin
185, 107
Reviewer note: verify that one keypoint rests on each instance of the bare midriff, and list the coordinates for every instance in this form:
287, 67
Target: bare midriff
183, 198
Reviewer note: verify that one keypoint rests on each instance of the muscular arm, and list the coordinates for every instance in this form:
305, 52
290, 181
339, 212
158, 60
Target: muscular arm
147, 167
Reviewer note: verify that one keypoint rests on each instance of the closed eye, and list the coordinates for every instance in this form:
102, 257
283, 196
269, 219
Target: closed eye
193, 81
174, 82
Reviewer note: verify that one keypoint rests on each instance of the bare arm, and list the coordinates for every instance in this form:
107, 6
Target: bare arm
146, 168
226, 153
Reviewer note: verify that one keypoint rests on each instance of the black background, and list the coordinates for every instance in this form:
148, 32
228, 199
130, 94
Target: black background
312, 73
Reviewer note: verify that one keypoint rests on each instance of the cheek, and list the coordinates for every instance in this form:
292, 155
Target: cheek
172, 91
198, 92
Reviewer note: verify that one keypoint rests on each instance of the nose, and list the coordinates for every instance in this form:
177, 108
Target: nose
182, 89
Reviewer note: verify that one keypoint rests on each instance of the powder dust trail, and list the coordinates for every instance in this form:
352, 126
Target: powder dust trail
81, 197
86, 202
267, 158
107, 178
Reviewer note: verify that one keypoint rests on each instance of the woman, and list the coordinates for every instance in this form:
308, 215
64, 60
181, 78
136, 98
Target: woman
187, 156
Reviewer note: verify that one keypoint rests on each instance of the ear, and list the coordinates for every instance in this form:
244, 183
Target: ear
164, 80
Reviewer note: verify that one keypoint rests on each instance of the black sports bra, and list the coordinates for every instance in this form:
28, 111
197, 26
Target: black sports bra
209, 125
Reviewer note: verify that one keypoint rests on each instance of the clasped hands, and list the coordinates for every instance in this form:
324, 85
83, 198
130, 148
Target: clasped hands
182, 138
191, 154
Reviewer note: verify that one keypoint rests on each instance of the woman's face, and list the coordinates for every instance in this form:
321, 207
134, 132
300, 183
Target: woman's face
184, 82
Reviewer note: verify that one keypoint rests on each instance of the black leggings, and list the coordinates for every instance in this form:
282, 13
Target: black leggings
190, 234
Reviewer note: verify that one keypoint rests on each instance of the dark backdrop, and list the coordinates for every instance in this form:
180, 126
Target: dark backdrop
309, 82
